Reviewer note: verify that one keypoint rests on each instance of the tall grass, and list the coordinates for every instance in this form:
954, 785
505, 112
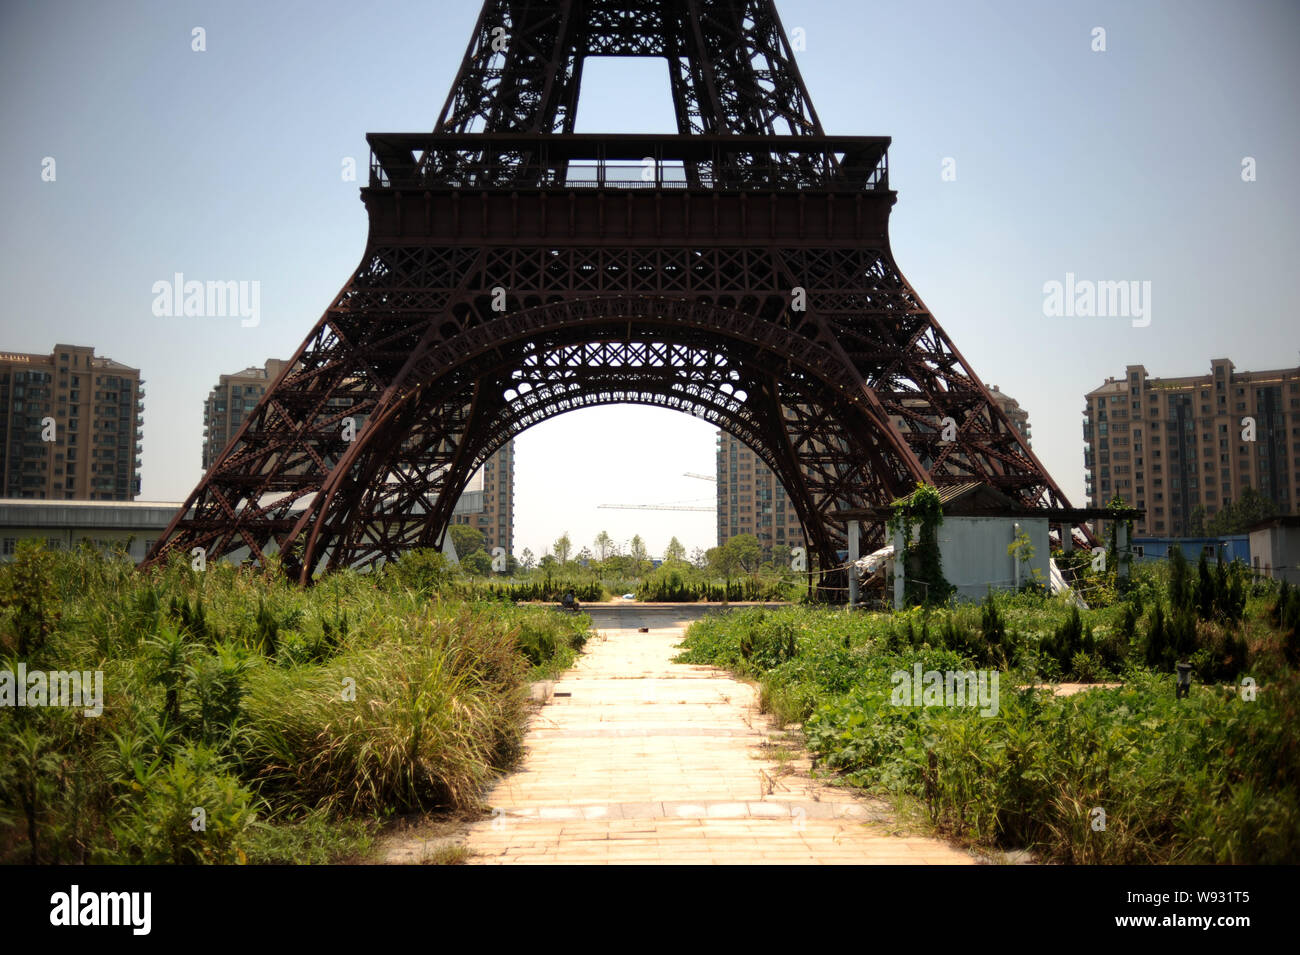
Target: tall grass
268, 708
426, 728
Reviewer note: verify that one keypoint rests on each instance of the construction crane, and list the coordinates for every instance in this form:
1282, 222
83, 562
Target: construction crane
654, 507
666, 507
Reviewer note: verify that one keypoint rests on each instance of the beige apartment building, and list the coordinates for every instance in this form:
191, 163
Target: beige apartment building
488, 502
1169, 445
230, 402
495, 517
751, 500
1017, 415
69, 426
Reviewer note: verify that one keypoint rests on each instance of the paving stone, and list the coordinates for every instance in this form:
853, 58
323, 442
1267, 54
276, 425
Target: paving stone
648, 761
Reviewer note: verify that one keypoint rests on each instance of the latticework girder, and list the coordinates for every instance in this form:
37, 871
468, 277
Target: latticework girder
514, 274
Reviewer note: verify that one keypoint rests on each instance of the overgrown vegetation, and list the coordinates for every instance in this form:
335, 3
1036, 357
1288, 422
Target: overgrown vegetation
1214, 777
921, 511
245, 720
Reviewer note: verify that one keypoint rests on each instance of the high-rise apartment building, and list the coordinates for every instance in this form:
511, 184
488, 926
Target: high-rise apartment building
1017, 415
1170, 445
751, 500
235, 396
230, 402
496, 483
69, 426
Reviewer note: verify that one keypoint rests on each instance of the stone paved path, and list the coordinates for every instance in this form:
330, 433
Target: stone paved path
636, 759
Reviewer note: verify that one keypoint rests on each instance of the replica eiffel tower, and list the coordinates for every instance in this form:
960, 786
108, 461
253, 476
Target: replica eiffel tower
739, 271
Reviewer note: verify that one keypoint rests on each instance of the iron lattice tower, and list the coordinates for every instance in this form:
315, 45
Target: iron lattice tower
739, 271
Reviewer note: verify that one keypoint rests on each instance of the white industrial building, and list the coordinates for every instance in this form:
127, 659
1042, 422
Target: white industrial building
1275, 548
132, 526
980, 525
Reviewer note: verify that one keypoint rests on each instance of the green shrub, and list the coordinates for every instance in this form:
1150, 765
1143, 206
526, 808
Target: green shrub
423, 570
1158, 652
768, 643
992, 627
1072, 647
1285, 616
28, 600
193, 810
1180, 584
313, 838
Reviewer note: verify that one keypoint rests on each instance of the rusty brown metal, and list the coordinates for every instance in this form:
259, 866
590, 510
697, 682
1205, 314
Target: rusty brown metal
739, 271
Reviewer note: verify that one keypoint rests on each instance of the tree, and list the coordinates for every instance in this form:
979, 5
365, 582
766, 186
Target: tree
1196, 523
1180, 583
604, 544
477, 563
745, 551
528, 559
1250, 508
1204, 589
675, 551
619, 565
563, 548
1253, 507
700, 558
466, 539
740, 553
637, 549
547, 562
781, 557
1223, 521
584, 556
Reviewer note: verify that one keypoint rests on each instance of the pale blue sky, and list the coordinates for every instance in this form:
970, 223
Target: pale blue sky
225, 164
